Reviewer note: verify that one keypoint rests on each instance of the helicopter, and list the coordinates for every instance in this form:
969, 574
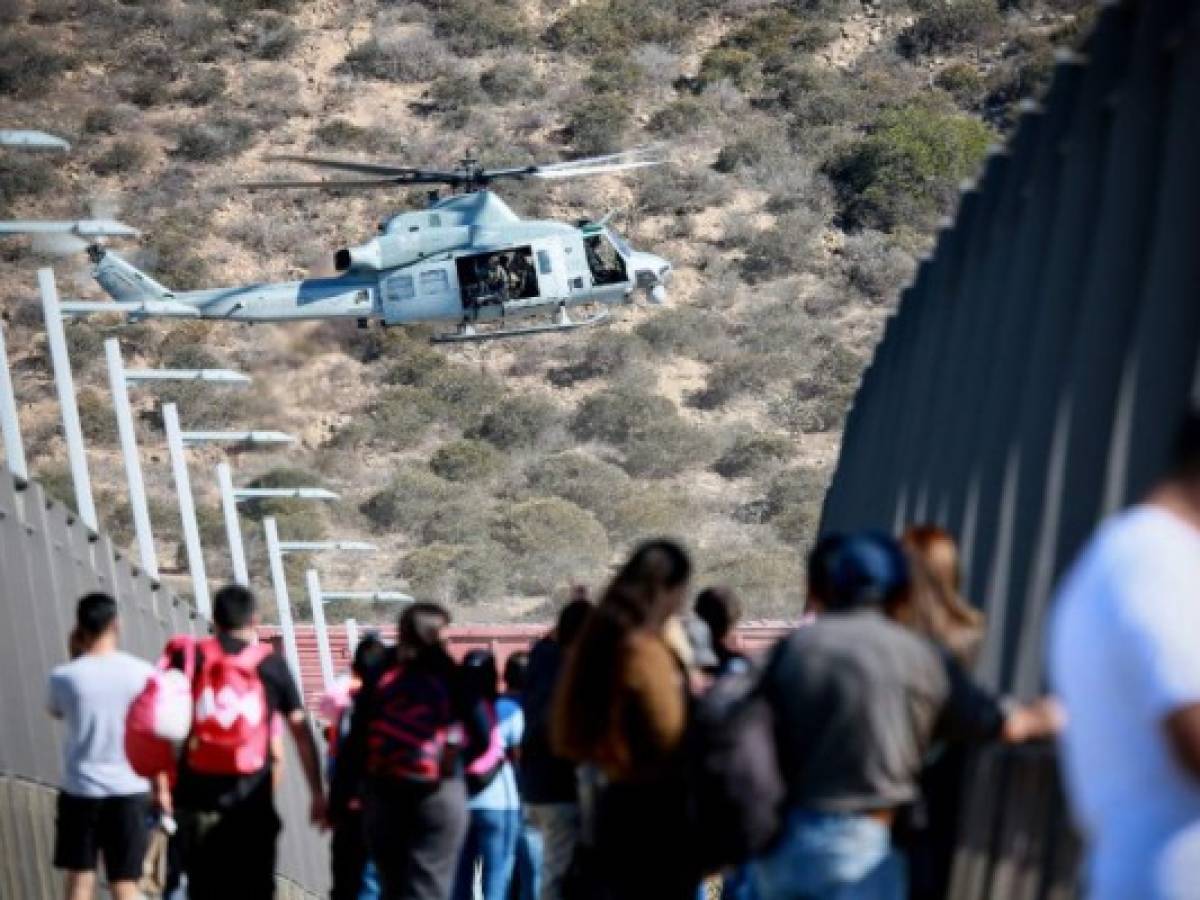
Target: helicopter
466, 259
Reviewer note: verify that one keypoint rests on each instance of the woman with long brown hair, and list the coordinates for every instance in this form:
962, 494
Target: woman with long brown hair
935, 606
621, 708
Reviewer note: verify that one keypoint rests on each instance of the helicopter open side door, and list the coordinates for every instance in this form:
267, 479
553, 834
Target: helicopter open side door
551, 265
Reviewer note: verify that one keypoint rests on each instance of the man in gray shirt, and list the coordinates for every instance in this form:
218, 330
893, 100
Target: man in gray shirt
104, 805
858, 701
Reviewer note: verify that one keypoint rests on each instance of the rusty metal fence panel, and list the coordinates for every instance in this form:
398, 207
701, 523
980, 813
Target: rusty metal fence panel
1032, 375
47, 560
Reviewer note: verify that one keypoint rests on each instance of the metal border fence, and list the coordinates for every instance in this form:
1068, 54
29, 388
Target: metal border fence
47, 560
1031, 378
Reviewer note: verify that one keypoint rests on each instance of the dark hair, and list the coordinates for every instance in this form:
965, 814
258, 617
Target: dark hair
1185, 450
94, 615
635, 599
571, 621
720, 610
933, 605
516, 670
233, 607
480, 677
369, 656
420, 637
868, 569
820, 566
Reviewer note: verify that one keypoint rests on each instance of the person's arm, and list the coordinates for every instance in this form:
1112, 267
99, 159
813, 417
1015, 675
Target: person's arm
351, 753
54, 704
1183, 735
310, 762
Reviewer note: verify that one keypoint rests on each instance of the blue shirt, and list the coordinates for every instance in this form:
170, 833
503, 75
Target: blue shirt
502, 793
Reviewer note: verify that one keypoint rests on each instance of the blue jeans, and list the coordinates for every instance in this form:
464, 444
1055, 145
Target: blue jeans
528, 872
491, 839
831, 856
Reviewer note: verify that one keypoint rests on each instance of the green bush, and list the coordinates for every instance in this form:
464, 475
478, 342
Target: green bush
587, 482
793, 503
741, 374
218, 139
647, 511
511, 79
519, 421
26, 175
554, 542
679, 190
597, 26
753, 453
171, 252
776, 36
416, 365
123, 156
617, 413
782, 248
96, 417
963, 82
147, 88
614, 72
772, 576
607, 354
403, 59
947, 27
346, 135
466, 395
273, 35
28, 68
203, 85
466, 460
685, 331
680, 117
447, 573
398, 418
598, 123
102, 120
472, 26
876, 266
740, 67
666, 447
465, 519
907, 171
412, 496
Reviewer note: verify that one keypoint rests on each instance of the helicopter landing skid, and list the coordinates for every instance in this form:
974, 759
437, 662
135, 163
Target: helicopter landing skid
471, 333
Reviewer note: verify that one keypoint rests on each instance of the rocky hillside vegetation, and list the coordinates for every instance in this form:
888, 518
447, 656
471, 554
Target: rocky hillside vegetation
814, 146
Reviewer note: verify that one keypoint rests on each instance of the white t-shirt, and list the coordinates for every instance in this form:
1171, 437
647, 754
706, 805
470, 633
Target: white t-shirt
502, 793
1124, 654
92, 694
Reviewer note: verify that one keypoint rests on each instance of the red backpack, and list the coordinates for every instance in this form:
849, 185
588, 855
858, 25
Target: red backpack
411, 733
231, 725
159, 719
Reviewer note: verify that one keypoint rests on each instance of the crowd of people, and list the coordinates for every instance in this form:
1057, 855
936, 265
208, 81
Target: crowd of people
636, 753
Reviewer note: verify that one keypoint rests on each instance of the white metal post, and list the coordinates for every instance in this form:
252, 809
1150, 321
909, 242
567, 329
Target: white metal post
233, 528
63, 380
187, 511
318, 614
279, 580
119, 387
352, 636
10, 425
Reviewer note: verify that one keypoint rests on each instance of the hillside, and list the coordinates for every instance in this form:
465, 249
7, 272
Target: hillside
814, 146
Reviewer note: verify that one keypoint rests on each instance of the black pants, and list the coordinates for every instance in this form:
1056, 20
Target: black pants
415, 833
348, 857
230, 855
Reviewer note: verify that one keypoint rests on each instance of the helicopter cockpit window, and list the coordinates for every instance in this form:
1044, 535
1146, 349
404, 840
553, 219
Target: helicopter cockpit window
606, 264
434, 282
623, 248
543, 262
435, 221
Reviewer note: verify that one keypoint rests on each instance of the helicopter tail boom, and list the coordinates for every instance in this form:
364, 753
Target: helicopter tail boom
124, 282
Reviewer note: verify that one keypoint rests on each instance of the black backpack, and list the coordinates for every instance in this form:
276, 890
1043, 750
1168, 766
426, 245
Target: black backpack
737, 792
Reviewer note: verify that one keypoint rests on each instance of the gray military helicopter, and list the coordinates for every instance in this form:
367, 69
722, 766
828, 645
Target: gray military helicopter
466, 259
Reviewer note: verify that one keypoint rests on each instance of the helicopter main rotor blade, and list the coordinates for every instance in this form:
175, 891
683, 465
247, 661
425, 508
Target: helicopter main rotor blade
364, 168
637, 158
332, 184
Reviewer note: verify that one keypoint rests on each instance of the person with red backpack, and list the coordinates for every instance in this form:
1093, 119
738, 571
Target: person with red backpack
224, 802
412, 733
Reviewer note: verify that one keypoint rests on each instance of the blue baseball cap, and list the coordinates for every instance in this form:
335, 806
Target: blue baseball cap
868, 568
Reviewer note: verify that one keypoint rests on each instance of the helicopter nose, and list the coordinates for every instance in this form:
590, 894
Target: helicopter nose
653, 275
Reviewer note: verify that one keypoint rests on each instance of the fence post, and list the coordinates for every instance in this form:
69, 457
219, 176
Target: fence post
187, 510
10, 425
279, 580
119, 388
352, 636
61, 361
318, 613
233, 528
